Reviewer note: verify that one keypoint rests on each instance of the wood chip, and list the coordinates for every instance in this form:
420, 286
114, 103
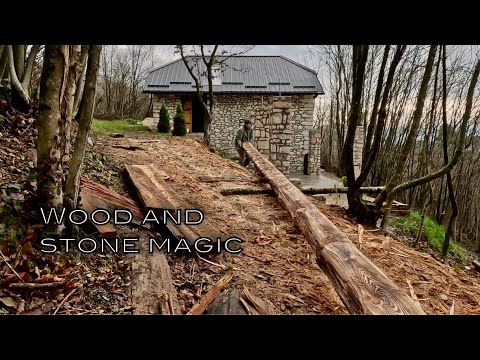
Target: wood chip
360, 236
244, 303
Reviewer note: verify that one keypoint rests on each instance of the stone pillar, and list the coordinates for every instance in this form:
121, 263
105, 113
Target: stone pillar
262, 129
314, 152
358, 150
280, 139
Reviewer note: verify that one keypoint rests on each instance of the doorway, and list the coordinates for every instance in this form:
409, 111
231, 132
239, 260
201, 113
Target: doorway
198, 115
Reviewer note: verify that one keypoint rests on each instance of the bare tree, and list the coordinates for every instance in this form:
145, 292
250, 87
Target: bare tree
201, 67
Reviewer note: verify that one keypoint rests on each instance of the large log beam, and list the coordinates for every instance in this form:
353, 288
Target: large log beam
362, 286
308, 191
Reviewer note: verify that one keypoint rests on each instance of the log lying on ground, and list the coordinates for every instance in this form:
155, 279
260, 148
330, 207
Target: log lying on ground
212, 179
155, 194
361, 285
308, 191
153, 291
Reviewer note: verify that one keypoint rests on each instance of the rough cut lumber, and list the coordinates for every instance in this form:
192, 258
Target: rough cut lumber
361, 285
107, 231
155, 194
308, 191
200, 307
212, 179
110, 200
153, 291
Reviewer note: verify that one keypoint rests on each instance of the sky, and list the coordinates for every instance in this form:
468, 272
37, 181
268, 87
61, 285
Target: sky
293, 52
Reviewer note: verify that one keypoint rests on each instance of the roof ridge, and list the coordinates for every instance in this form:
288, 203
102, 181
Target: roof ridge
277, 56
162, 66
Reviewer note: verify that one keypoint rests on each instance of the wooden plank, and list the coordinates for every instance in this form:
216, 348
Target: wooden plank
107, 231
155, 194
110, 200
361, 285
151, 188
200, 307
187, 110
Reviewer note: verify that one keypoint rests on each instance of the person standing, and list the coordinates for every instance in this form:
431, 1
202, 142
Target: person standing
244, 134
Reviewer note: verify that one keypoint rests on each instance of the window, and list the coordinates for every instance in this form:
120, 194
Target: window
216, 74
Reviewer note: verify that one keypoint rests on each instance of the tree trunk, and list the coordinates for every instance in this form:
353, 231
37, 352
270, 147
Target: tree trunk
81, 80
458, 152
363, 287
67, 103
27, 75
417, 116
359, 60
376, 103
75, 168
365, 214
50, 193
3, 61
20, 98
451, 192
19, 59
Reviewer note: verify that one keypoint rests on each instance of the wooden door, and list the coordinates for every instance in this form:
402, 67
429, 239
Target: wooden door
187, 109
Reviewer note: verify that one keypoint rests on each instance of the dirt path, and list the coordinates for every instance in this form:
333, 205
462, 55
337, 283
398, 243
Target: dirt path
277, 264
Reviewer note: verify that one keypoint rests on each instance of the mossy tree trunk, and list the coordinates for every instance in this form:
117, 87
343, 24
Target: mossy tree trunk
50, 193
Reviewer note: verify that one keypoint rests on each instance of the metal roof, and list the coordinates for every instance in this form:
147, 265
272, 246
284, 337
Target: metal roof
240, 74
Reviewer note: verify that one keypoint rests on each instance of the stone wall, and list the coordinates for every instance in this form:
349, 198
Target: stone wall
302, 123
170, 100
231, 112
233, 109
314, 152
358, 150
280, 127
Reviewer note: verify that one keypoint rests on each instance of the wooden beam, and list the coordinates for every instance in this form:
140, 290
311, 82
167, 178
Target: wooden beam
308, 191
362, 286
212, 179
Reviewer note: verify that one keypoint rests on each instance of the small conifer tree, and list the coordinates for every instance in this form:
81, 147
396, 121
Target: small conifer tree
179, 127
163, 125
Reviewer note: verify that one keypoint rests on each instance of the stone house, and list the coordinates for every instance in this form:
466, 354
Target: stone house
275, 92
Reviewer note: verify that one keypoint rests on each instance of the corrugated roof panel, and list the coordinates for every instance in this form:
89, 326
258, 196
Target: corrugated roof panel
241, 74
